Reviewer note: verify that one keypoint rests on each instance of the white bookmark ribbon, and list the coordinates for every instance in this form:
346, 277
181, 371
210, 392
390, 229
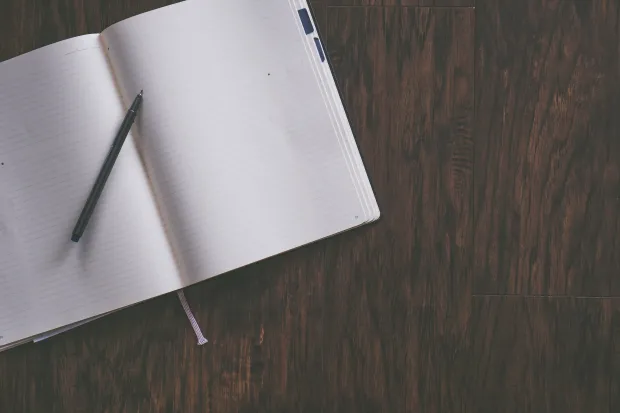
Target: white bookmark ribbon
201, 339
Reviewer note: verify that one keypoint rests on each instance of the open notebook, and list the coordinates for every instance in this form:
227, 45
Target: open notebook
241, 151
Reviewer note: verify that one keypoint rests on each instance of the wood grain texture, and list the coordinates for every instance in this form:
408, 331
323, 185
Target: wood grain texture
614, 385
371, 320
547, 175
406, 76
541, 355
419, 3
26, 25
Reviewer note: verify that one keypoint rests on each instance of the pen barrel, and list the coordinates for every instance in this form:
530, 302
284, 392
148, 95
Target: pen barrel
106, 169
125, 128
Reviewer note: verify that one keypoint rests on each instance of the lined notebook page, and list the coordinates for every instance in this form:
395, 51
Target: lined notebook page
59, 113
236, 135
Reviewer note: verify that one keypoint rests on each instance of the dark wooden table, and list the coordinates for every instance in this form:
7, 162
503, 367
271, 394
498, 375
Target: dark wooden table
492, 138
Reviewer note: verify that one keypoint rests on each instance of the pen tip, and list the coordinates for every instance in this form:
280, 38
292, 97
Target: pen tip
141, 92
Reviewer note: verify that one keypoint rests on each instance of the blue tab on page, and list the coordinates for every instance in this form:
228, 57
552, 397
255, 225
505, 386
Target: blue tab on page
319, 48
305, 20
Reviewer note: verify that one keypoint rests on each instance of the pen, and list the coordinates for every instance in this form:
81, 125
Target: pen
97, 189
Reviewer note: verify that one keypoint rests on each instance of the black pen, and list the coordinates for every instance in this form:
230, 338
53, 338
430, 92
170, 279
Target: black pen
95, 193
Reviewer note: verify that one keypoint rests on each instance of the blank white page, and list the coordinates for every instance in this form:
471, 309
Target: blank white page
59, 113
237, 137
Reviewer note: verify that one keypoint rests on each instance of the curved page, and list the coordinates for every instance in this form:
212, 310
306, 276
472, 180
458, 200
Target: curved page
236, 134
59, 113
